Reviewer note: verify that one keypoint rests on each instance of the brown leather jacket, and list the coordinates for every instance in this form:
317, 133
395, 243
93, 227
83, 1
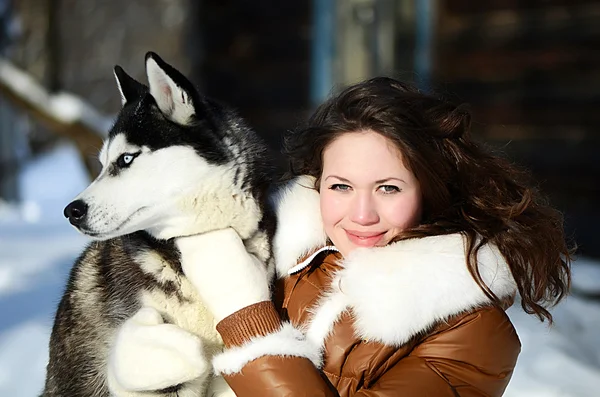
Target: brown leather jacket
402, 320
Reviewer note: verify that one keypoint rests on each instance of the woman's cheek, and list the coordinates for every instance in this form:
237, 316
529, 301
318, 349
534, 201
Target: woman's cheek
331, 208
404, 213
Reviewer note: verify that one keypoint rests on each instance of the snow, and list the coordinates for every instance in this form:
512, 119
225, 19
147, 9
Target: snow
561, 361
38, 247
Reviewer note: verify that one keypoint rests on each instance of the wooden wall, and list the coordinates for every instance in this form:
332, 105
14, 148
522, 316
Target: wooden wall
256, 57
531, 71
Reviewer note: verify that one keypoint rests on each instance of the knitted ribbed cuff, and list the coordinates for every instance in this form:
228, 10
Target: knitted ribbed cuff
259, 319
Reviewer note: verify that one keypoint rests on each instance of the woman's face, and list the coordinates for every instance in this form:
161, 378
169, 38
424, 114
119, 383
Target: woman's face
367, 195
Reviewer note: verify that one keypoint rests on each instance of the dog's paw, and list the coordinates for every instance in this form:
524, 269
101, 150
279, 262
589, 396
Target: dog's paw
148, 354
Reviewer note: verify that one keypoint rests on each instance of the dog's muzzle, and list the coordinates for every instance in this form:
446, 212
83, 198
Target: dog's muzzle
76, 212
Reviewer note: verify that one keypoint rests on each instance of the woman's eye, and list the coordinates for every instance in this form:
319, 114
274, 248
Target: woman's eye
340, 187
389, 189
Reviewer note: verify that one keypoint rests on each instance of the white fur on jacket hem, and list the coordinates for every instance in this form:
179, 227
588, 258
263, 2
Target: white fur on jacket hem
288, 341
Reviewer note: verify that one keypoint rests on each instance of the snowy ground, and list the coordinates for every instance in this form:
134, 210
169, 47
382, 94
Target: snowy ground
37, 249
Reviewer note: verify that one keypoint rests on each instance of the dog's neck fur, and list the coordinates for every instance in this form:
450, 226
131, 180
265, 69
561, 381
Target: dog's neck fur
217, 204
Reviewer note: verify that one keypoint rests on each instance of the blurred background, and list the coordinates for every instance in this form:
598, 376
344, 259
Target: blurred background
530, 69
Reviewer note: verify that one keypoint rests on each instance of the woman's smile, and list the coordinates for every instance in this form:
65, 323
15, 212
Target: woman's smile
364, 239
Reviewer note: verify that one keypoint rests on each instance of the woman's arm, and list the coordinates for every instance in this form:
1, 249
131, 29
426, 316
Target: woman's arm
234, 286
475, 357
267, 360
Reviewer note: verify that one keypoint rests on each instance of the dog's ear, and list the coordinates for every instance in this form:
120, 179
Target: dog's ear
129, 87
175, 95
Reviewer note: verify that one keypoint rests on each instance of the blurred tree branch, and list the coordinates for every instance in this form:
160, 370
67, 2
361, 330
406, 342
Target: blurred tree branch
64, 114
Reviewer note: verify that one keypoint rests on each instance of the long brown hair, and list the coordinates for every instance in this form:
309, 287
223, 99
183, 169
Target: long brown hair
465, 188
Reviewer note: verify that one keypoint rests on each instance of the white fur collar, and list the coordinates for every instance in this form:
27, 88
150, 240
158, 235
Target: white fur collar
395, 292
402, 289
299, 227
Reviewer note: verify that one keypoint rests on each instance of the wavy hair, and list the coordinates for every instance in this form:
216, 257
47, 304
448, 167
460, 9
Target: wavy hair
465, 188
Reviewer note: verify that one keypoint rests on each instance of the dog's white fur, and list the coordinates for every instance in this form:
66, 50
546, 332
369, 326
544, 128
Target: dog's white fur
170, 192
123, 98
186, 314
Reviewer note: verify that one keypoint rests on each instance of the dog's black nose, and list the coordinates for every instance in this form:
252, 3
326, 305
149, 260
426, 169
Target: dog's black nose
76, 212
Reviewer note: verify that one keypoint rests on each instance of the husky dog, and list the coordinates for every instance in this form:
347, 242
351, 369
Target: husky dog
175, 164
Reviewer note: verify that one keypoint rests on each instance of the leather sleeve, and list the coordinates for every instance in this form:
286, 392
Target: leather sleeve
265, 357
475, 357
276, 376
294, 377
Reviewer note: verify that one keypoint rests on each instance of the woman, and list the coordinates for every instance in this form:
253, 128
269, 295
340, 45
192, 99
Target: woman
400, 245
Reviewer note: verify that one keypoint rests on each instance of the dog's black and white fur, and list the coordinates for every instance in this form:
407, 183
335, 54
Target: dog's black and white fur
175, 164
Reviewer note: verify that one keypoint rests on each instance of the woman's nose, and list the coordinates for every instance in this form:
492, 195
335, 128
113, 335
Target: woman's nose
363, 210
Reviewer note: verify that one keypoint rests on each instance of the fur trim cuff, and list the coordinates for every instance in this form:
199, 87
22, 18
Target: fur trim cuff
288, 341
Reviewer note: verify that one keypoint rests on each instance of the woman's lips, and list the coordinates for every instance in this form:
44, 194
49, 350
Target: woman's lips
364, 239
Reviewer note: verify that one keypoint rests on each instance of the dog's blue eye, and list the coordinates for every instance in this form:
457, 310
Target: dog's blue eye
126, 159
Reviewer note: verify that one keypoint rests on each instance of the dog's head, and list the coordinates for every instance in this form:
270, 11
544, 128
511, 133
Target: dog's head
174, 164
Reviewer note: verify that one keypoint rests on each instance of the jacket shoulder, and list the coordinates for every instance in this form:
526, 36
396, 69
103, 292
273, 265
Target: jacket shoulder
474, 351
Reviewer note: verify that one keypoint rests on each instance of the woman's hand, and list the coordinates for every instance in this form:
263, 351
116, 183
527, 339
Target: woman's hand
226, 276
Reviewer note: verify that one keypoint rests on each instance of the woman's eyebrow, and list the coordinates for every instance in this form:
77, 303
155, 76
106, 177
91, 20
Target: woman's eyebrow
389, 179
384, 180
338, 177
